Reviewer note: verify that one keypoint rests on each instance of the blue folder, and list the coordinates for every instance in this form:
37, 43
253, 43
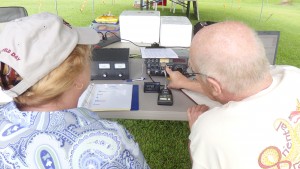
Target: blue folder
135, 98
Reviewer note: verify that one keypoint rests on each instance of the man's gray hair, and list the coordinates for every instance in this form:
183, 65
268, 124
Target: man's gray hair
236, 62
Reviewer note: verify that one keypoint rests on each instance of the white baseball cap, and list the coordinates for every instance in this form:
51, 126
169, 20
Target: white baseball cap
35, 45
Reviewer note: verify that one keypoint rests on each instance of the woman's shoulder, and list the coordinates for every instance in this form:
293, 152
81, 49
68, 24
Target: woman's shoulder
109, 140
78, 135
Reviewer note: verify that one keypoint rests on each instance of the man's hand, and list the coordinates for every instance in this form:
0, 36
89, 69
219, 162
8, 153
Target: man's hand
194, 112
177, 80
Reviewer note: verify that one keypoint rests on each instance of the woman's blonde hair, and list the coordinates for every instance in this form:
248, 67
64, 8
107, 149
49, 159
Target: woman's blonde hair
58, 80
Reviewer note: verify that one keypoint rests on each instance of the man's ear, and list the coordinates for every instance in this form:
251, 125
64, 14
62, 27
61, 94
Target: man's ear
215, 86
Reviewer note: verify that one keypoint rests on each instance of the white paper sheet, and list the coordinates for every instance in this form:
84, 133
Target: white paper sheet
158, 53
107, 97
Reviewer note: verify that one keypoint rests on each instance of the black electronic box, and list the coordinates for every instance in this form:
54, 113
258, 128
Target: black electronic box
110, 64
156, 66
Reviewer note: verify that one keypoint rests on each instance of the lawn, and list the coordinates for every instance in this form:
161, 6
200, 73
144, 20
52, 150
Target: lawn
164, 143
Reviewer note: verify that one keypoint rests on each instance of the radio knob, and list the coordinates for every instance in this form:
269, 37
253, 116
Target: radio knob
104, 75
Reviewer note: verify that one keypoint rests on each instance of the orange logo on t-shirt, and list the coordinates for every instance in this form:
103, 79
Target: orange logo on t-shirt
289, 156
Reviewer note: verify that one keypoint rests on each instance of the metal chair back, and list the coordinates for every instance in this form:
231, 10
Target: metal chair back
11, 13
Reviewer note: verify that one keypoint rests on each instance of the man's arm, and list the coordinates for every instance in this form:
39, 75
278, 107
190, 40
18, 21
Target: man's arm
179, 81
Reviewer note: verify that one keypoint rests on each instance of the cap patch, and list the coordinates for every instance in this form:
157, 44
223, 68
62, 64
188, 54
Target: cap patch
12, 54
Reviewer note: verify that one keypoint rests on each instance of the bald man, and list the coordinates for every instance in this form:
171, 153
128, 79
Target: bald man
258, 124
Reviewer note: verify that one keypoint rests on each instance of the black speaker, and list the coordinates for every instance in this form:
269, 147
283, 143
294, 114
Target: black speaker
110, 64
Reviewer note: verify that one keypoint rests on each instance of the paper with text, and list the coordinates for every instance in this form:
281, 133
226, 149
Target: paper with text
158, 53
107, 97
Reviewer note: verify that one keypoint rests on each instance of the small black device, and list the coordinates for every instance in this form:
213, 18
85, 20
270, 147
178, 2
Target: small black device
151, 87
165, 97
110, 64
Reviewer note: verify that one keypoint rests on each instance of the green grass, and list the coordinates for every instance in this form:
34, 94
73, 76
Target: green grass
164, 143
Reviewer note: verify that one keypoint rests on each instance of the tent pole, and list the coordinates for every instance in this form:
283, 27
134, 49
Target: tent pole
261, 9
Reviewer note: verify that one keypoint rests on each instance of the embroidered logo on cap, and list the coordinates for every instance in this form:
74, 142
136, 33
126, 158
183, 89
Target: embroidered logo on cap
13, 54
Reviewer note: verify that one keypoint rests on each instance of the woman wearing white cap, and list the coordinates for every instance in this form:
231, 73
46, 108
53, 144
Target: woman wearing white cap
44, 66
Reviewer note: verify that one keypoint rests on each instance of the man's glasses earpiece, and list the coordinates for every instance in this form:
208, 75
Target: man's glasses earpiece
190, 73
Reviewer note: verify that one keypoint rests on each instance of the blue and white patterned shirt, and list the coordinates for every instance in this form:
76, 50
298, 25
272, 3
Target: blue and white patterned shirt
74, 138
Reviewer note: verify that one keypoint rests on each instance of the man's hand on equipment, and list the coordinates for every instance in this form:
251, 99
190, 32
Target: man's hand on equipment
177, 80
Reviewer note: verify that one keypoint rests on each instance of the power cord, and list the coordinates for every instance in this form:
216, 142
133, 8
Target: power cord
103, 36
152, 45
150, 77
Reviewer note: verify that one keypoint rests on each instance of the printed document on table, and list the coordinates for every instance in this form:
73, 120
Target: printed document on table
107, 97
158, 53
